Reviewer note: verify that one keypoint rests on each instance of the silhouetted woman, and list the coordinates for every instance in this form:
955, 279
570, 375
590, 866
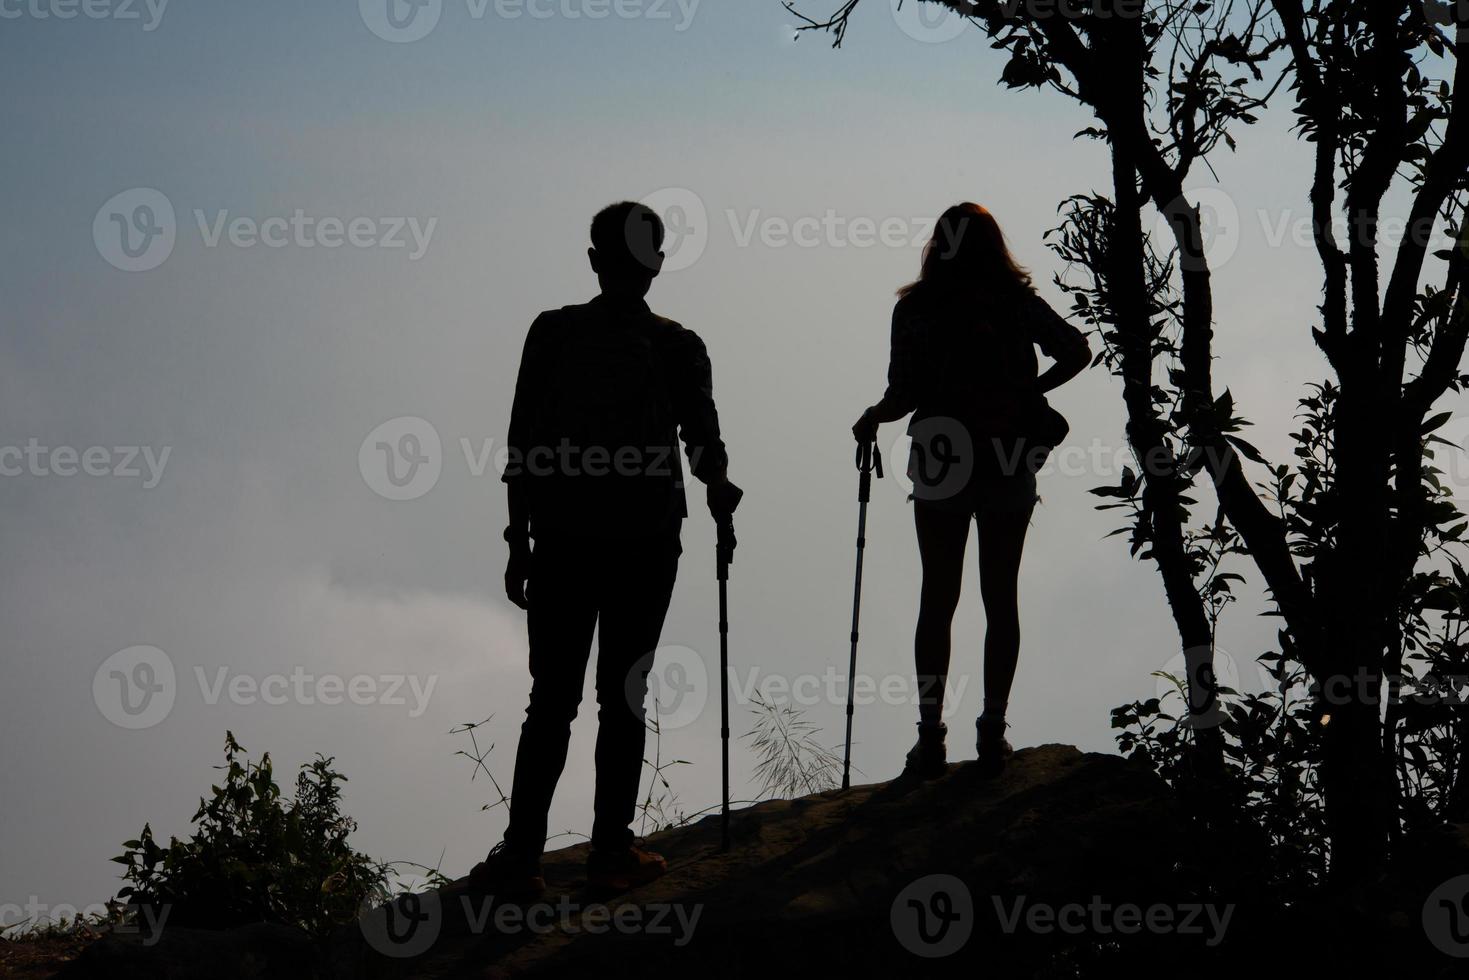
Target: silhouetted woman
964, 363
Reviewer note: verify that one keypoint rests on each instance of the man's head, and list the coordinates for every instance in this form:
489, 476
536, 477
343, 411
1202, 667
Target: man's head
627, 247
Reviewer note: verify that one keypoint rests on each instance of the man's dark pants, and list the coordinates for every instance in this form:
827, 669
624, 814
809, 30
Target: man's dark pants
621, 588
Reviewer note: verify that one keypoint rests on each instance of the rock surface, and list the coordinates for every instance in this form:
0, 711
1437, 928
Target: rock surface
839, 881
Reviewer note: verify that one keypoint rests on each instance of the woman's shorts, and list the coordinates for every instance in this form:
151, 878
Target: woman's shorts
1013, 495
948, 473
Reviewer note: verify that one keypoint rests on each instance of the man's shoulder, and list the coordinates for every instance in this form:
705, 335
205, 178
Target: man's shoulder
680, 339
562, 314
592, 310
673, 328
549, 325
545, 320
667, 331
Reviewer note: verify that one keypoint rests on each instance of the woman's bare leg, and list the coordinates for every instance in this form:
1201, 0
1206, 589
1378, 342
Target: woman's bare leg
1001, 541
942, 538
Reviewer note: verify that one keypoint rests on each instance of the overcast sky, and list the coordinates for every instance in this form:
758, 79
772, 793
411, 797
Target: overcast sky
430, 182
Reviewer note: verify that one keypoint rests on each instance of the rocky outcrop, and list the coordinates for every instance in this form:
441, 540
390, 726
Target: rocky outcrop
1039, 869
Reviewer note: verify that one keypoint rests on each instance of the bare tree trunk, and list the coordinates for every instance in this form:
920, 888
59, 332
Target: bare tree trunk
1161, 483
1357, 599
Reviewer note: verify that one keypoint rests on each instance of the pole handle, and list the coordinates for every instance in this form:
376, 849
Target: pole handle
869, 458
869, 461
724, 546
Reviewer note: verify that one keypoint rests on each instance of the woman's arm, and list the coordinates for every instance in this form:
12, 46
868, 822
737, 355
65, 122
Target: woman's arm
899, 399
1063, 371
1059, 340
889, 409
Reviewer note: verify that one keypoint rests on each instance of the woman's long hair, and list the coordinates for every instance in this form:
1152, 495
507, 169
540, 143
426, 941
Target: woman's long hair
967, 254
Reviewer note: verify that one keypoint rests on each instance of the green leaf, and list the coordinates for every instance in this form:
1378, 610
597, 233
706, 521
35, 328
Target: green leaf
1247, 450
1429, 425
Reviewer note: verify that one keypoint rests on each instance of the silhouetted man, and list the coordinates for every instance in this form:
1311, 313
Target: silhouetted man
595, 479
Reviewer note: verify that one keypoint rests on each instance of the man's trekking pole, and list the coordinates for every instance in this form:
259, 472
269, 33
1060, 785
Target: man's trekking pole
724, 555
869, 459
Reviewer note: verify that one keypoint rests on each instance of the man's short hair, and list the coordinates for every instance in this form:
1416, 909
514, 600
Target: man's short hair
629, 235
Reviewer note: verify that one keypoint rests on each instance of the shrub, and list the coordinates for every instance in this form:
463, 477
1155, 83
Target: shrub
255, 857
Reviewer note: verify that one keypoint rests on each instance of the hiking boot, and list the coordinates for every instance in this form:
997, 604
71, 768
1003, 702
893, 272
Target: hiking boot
620, 869
991, 745
928, 759
509, 874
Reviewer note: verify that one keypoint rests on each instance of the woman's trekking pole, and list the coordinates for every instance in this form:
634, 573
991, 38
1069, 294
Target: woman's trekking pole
724, 555
869, 459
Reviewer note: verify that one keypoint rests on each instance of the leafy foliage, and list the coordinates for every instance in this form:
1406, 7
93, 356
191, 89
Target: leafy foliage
256, 857
1262, 812
1273, 742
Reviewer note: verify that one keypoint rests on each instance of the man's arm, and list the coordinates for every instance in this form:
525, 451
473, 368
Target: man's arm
519, 441
698, 421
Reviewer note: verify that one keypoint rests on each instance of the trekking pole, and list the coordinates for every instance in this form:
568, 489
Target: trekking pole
869, 459
724, 555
